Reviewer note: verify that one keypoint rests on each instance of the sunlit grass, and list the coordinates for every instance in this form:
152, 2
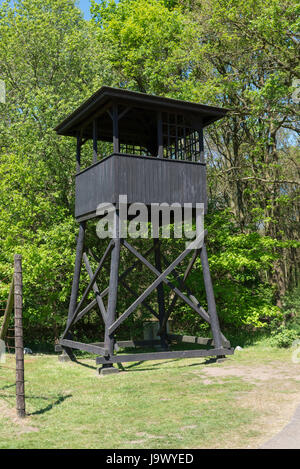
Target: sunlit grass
163, 404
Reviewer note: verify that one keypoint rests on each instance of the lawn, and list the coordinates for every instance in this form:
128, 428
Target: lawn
188, 403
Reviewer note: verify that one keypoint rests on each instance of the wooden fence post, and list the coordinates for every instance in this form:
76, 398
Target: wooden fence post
19, 347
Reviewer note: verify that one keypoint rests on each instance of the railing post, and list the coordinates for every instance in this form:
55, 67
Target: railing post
116, 141
160, 143
78, 152
95, 139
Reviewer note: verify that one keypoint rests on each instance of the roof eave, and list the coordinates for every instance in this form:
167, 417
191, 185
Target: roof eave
106, 93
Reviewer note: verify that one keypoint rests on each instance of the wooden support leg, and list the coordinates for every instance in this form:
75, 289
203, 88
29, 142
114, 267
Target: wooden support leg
160, 296
214, 321
112, 297
67, 354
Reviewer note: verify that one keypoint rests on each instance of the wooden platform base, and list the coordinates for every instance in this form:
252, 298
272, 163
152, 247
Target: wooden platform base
98, 347
106, 359
135, 357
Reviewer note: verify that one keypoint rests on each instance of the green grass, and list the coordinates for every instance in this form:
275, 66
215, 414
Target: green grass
163, 404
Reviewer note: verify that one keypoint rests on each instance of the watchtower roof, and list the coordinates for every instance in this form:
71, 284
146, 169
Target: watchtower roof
141, 103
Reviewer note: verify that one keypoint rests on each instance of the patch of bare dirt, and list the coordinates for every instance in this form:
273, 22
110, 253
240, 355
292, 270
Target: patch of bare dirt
275, 396
22, 425
255, 373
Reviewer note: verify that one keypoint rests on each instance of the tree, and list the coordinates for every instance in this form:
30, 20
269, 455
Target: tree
49, 62
226, 51
245, 57
237, 54
142, 44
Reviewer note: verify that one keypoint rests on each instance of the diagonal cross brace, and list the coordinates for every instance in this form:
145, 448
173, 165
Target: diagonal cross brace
161, 277
177, 275
87, 290
192, 302
130, 290
182, 285
182, 282
86, 310
95, 288
125, 273
145, 303
174, 299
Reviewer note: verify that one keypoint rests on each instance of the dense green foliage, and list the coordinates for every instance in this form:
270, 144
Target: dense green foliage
238, 54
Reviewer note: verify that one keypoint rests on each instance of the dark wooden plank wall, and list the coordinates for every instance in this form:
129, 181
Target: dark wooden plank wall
143, 179
94, 185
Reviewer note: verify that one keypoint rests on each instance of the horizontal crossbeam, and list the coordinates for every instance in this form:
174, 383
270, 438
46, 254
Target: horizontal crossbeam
122, 344
136, 357
190, 339
86, 347
174, 338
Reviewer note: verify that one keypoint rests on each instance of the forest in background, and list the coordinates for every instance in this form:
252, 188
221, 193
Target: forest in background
238, 54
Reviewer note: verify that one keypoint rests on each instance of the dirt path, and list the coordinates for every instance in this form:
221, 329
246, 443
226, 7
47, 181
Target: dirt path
275, 395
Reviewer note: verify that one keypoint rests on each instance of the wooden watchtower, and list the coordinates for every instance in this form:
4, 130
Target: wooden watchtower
154, 154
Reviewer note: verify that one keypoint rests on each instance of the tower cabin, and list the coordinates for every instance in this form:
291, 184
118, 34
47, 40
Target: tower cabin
147, 147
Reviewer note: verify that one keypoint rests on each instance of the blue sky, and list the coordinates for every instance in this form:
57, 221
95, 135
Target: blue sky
84, 5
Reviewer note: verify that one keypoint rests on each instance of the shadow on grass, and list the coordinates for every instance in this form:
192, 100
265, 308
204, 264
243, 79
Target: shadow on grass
124, 367
133, 365
8, 386
209, 361
150, 367
77, 362
49, 407
58, 400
